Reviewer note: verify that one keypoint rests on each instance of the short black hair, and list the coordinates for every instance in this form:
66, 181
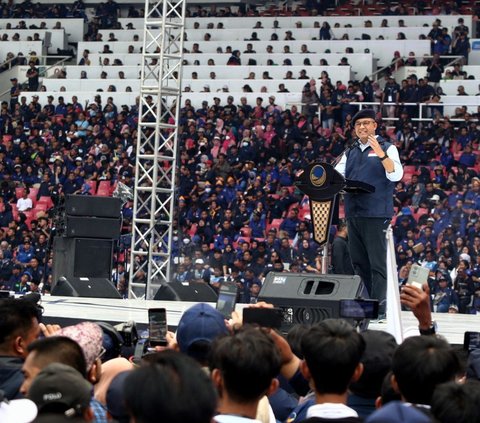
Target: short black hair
58, 349
171, 385
248, 361
454, 402
332, 351
16, 317
420, 364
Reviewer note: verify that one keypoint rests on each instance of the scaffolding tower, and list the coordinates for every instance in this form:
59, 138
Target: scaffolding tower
156, 149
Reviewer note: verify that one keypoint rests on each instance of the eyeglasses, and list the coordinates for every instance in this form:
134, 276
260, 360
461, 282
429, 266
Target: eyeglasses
102, 353
364, 123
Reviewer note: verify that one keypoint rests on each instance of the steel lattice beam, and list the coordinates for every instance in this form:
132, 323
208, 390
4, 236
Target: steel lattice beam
159, 106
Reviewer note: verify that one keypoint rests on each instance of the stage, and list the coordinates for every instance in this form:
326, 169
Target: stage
69, 310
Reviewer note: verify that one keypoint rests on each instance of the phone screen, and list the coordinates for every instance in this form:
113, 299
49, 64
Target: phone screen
226, 302
265, 317
359, 309
471, 341
157, 326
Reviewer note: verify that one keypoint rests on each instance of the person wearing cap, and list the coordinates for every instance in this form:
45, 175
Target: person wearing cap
62, 395
374, 161
200, 274
89, 336
444, 296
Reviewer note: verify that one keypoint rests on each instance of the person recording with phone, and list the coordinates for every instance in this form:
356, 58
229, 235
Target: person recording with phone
374, 161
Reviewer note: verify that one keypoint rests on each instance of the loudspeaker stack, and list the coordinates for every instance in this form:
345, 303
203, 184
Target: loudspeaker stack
83, 255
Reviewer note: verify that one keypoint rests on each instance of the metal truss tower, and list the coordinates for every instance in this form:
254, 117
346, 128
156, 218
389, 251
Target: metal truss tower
156, 150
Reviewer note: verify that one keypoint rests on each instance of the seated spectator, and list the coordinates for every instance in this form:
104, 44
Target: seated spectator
24, 203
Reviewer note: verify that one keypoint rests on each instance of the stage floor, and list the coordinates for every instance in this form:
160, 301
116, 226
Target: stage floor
69, 310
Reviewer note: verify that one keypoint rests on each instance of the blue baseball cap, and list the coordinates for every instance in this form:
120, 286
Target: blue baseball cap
200, 322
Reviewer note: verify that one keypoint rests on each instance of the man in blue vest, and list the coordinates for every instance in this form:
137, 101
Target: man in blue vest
376, 162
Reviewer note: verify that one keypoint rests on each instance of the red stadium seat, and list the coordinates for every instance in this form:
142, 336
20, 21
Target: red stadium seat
104, 189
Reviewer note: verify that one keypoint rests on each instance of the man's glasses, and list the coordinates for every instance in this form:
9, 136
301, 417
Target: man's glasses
364, 123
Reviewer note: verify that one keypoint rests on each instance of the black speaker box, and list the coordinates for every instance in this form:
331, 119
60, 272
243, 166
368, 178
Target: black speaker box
92, 227
85, 287
82, 257
86, 205
195, 292
310, 298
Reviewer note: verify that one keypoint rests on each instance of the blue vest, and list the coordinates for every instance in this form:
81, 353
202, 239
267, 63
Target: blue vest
366, 167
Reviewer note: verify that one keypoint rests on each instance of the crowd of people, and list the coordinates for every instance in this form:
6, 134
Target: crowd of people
219, 370
239, 215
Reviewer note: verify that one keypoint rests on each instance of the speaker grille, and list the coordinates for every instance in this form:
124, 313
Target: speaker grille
310, 315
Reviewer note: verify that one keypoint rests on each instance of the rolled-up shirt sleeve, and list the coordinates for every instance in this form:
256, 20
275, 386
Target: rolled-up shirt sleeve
397, 173
340, 167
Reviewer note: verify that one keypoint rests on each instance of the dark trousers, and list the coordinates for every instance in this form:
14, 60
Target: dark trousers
368, 250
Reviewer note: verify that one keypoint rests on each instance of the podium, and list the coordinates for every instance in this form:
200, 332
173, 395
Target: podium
322, 183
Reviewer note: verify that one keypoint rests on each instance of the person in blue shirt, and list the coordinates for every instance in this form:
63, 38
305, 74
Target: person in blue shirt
257, 224
290, 224
25, 252
444, 296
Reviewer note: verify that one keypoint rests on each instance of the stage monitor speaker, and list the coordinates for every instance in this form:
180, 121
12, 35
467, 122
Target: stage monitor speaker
86, 205
85, 287
195, 292
310, 298
92, 227
82, 258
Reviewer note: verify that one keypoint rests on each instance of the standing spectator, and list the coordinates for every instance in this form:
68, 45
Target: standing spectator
461, 47
14, 93
325, 31
33, 77
341, 261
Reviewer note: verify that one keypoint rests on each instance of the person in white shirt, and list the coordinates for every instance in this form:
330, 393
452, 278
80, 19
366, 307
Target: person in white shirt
24, 203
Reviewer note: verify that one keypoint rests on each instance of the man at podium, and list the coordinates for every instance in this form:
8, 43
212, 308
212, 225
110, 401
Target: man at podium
375, 161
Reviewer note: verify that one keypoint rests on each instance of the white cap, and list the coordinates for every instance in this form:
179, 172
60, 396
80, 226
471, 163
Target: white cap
199, 261
18, 411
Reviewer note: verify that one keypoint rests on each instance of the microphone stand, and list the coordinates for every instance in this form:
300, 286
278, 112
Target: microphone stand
337, 159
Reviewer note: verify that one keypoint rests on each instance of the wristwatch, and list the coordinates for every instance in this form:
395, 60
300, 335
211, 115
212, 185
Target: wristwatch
384, 157
432, 330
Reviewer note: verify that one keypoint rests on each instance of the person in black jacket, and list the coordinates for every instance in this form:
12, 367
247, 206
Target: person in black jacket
18, 328
341, 261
